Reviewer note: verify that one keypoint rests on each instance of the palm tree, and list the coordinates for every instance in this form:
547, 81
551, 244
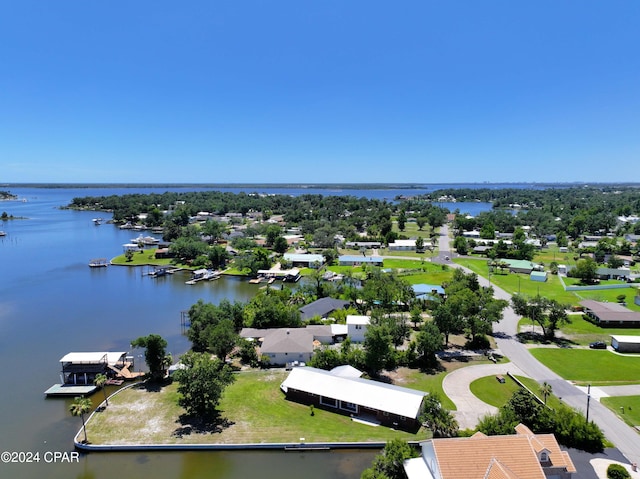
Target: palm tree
100, 381
79, 407
546, 390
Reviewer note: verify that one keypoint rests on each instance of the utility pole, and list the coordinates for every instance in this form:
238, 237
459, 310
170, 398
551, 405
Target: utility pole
588, 399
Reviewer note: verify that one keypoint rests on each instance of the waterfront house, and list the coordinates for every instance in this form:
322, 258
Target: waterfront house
322, 308
524, 455
358, 260
344, 392
303, 260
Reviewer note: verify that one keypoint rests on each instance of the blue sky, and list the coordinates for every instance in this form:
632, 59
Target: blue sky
319, 91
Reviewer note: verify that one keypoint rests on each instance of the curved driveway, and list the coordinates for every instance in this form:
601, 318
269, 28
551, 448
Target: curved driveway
617, 431
456, 386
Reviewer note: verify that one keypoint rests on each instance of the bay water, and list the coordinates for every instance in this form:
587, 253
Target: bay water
52, 303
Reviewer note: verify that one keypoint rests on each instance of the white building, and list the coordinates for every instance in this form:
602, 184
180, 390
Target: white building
357, 327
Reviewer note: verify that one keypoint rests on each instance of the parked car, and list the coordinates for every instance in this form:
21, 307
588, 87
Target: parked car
598, 345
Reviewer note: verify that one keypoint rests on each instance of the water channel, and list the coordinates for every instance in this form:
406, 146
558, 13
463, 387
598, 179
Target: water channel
52, 303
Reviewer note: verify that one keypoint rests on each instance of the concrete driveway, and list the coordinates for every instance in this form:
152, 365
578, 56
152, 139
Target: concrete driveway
470, 409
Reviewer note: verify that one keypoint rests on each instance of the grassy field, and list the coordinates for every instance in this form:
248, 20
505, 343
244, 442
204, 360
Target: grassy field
141, 258
586, 366
626, 407
610, 296
514, 283
254, 408
489, 390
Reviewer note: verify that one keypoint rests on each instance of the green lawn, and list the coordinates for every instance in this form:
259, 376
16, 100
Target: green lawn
254, 406
610, 295
586, 366
142, 258
626, 407
431, 383
489, 390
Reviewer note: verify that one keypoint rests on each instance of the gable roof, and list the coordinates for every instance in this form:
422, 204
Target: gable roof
363, 392
322, 307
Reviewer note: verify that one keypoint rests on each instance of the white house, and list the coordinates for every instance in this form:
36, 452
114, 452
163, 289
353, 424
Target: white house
357, 327
403, 245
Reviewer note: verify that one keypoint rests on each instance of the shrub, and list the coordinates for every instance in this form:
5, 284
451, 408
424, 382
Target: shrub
617, 471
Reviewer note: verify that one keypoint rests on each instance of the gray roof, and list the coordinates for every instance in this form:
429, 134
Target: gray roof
322, 307
610, 311
285, 340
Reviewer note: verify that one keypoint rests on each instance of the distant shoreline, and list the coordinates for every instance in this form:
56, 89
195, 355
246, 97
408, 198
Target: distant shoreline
302, 186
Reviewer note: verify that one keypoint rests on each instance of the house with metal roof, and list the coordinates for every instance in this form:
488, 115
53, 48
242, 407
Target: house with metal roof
304, 260
611, 314
428, 291
322, 308
403, 245
625, 344
363, 399
524, 455
358, 260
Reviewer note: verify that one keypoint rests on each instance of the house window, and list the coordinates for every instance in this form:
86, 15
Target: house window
325, 401
544, 457
348, 406
358, 326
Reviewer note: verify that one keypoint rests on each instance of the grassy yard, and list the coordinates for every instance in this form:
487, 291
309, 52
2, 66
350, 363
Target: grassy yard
586, 366
489, 390
514, 283
142, 258
254, 407
610, 295
626, 407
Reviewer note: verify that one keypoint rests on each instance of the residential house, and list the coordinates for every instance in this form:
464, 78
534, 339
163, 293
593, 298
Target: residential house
341, 391
357, 327
524, 455
363, 244
304, 260
82, 368
403, 245
611, 315
428, 291
322, 308
358, 260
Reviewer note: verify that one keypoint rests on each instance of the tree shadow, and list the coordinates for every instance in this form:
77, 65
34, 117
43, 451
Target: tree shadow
152, 386
537, 338
196, 425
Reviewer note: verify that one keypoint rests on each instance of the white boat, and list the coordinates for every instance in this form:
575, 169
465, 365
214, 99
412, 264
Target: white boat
97, 221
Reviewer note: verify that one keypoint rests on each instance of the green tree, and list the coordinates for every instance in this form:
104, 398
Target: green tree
377, 347
402, 220
201, 384
546, 390
436, 418
101, 381
222, 338
155, 354
585, 270
79, 407
128, 254
280, 245
548, 313
428, 343
389, 464
460, 244
419, 244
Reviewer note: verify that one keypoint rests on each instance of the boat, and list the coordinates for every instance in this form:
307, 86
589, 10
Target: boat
3, 233
97, 221
98, 263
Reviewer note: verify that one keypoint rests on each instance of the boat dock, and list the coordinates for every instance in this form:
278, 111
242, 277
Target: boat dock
70, 390
203, 275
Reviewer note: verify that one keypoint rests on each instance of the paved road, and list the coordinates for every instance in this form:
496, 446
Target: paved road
624, 437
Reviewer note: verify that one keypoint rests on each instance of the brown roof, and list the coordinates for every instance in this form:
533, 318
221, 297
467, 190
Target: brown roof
499, 457
610, 311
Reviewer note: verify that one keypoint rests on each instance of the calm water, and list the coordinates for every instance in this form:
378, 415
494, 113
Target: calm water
51, 303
